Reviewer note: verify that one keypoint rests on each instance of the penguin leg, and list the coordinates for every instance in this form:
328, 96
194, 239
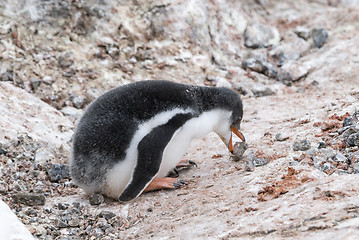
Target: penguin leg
150, 152
165, 183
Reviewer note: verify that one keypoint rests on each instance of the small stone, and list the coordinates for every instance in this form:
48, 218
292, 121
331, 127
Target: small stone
78, 101
302, 32
348, 121
43, 155
96, 199
301, 145
149, 210
60, 224
74, 222
281, 137
260, 65
253, 161
30, 199
356, 168
72, 112
63, 206
340, 157
58, 171
35, 83
262, 92
320, 37
259, 36
353, 140
322, 145
66, 60
238, 150
106, 214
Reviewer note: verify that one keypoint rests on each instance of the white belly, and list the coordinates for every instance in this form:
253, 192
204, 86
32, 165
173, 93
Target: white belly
193, 129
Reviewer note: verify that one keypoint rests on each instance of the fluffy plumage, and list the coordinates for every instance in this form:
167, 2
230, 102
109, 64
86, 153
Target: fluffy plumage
140, 131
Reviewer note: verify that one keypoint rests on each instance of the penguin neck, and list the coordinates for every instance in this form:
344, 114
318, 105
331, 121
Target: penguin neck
216, 120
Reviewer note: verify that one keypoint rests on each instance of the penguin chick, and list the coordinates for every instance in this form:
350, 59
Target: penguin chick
131, 137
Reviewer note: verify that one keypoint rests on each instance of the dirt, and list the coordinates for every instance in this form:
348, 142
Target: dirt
57, 58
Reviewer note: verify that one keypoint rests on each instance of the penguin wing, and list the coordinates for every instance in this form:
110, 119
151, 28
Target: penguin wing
150, 152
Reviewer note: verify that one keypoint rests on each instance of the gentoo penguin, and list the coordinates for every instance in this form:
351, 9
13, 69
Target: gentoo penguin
131, 137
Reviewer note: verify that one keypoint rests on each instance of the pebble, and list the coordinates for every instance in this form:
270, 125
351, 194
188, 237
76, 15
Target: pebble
303, 32
348, 121
356, 168
320, 37
281, 137
238, 150
60, 224
35, 83
260, 65
96, 199
78, 101
66, 60
58, 171
260, 36
253, 161
30, 199
290, 49
353, 140
262, 91
106, 214
301, 145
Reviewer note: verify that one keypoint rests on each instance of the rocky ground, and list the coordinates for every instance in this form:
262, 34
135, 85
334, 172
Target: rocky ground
295, 64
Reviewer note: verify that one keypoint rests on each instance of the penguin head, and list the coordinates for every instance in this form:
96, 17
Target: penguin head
233, 123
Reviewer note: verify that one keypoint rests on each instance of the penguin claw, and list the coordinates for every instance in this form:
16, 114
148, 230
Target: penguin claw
179, 183
174, 173
185, 164
192, 163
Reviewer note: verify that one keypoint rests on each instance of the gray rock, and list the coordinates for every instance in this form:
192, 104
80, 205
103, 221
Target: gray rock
60, 224
260, 65
281, 136
253, 161
63, 206
259, 36
74, 222
66, 60
356, 168
72, 112
303, 32
106, 214
340, 157
301, 145
35, 83
30, 199
58, 171
262, 91
353, 140
348, 121
290, 49
96, 199
238, 150
322, 145
354, 157
320, 37
78, 101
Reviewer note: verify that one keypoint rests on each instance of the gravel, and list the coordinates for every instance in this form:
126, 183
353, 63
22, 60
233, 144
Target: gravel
320, 37
29, 199
96, 199
302, 145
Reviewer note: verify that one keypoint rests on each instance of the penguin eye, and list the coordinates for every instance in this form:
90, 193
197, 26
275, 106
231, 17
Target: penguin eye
238, 121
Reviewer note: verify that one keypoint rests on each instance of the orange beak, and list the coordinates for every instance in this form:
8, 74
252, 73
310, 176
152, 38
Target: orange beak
239, 134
